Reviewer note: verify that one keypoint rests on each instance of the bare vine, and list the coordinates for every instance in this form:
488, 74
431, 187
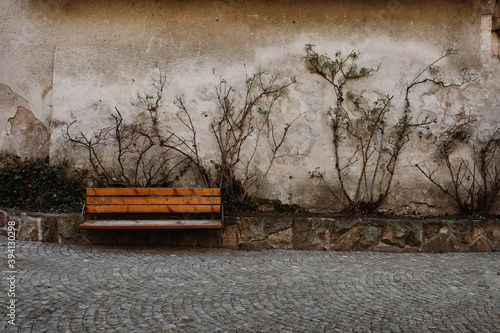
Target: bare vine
143, 153
243, 125
474, 184
377, 145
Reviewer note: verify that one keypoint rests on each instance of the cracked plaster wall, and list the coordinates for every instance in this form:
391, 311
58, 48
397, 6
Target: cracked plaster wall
72, 59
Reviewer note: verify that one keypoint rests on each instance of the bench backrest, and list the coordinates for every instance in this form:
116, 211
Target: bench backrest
153, 200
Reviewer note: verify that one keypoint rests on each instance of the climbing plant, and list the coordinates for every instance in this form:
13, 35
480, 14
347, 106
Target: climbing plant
144, 154
243, 128
366, 172
473, 182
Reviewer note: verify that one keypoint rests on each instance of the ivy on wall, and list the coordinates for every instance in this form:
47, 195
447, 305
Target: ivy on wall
38, 185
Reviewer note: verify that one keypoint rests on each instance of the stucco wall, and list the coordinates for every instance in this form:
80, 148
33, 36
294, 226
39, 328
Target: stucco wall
65, 60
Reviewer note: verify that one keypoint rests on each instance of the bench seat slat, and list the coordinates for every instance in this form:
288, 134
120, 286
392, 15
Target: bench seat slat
92, 192
107, 204
96, 209
151, 224
153, 200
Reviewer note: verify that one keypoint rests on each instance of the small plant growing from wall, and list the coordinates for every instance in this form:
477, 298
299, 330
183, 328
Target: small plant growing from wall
373, 146
473, 183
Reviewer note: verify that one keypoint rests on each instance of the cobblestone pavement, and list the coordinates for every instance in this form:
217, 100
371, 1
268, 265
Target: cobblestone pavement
79, 288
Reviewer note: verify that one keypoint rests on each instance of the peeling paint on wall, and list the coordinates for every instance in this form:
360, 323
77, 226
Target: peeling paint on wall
32, 136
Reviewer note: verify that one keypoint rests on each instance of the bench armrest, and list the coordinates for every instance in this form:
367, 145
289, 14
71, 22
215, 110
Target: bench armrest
222, 214
82, 217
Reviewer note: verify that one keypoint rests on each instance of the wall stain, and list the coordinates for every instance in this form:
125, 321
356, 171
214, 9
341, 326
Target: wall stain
32, 135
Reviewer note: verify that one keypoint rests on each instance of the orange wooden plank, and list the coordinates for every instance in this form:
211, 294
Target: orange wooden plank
152, 191
153, 200
153, 209
88, 226
148, 227
152, 224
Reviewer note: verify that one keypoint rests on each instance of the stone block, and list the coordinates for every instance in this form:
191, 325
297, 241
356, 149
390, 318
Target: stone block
311, 234
473, 233
281, 240
50, 232
475, 237
480, 244
349, 240
275, 225
400, 233
371, 236
28, 227
343, 226
67, 229
465, 235
359, 238
251, 229
491, 230
441, 237
230, 237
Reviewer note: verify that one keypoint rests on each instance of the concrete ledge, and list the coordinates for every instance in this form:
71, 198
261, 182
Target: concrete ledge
431, 235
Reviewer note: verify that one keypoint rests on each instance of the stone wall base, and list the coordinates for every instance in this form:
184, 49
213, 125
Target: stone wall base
430, 235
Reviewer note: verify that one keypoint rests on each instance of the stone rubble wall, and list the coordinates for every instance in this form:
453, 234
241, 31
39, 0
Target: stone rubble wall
367, 234
284, 233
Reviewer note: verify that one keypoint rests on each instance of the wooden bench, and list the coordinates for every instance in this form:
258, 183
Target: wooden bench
152, 208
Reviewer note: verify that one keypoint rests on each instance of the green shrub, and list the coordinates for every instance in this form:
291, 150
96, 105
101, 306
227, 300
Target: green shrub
37, 185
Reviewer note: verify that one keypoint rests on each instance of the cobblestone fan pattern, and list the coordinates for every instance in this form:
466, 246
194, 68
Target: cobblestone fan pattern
88, 288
